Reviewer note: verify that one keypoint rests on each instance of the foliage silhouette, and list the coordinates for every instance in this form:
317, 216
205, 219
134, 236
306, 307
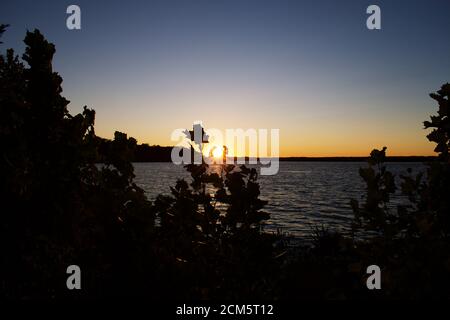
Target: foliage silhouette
417, 231
61, 207
427, 213
410, 242
205, 240
213, 225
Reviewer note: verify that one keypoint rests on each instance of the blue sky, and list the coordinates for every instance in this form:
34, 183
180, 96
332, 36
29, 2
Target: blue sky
310, 68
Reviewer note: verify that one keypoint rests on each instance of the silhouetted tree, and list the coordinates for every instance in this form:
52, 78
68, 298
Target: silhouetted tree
58, 207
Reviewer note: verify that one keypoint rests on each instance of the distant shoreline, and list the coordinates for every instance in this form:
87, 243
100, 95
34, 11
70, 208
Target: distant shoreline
361, 159
330, 159
156, 153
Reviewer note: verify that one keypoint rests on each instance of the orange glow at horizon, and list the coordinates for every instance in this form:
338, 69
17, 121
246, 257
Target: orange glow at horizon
301, 135
412, 143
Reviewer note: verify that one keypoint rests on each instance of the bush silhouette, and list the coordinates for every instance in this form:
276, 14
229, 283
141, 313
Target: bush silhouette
69, 197
61, 207
427, 213
417, 231
409, 242
213, 225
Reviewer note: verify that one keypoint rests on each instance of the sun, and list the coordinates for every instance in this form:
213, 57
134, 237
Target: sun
217, 152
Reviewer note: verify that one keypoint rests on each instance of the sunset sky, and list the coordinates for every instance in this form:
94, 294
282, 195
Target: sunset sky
310, 68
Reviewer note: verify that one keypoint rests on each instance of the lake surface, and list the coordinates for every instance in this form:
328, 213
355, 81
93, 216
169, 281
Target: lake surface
301, 196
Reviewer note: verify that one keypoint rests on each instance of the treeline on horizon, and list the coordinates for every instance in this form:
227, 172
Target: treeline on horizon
140, 152
156, 153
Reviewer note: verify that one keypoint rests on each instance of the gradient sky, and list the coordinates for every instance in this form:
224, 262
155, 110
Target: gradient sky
310, 68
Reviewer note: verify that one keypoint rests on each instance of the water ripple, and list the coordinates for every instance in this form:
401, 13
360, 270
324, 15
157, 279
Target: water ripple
302, 195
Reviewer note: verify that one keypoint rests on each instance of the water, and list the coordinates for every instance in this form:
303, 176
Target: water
303, 195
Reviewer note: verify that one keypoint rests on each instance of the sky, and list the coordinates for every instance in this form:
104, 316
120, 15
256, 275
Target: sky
309, 68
